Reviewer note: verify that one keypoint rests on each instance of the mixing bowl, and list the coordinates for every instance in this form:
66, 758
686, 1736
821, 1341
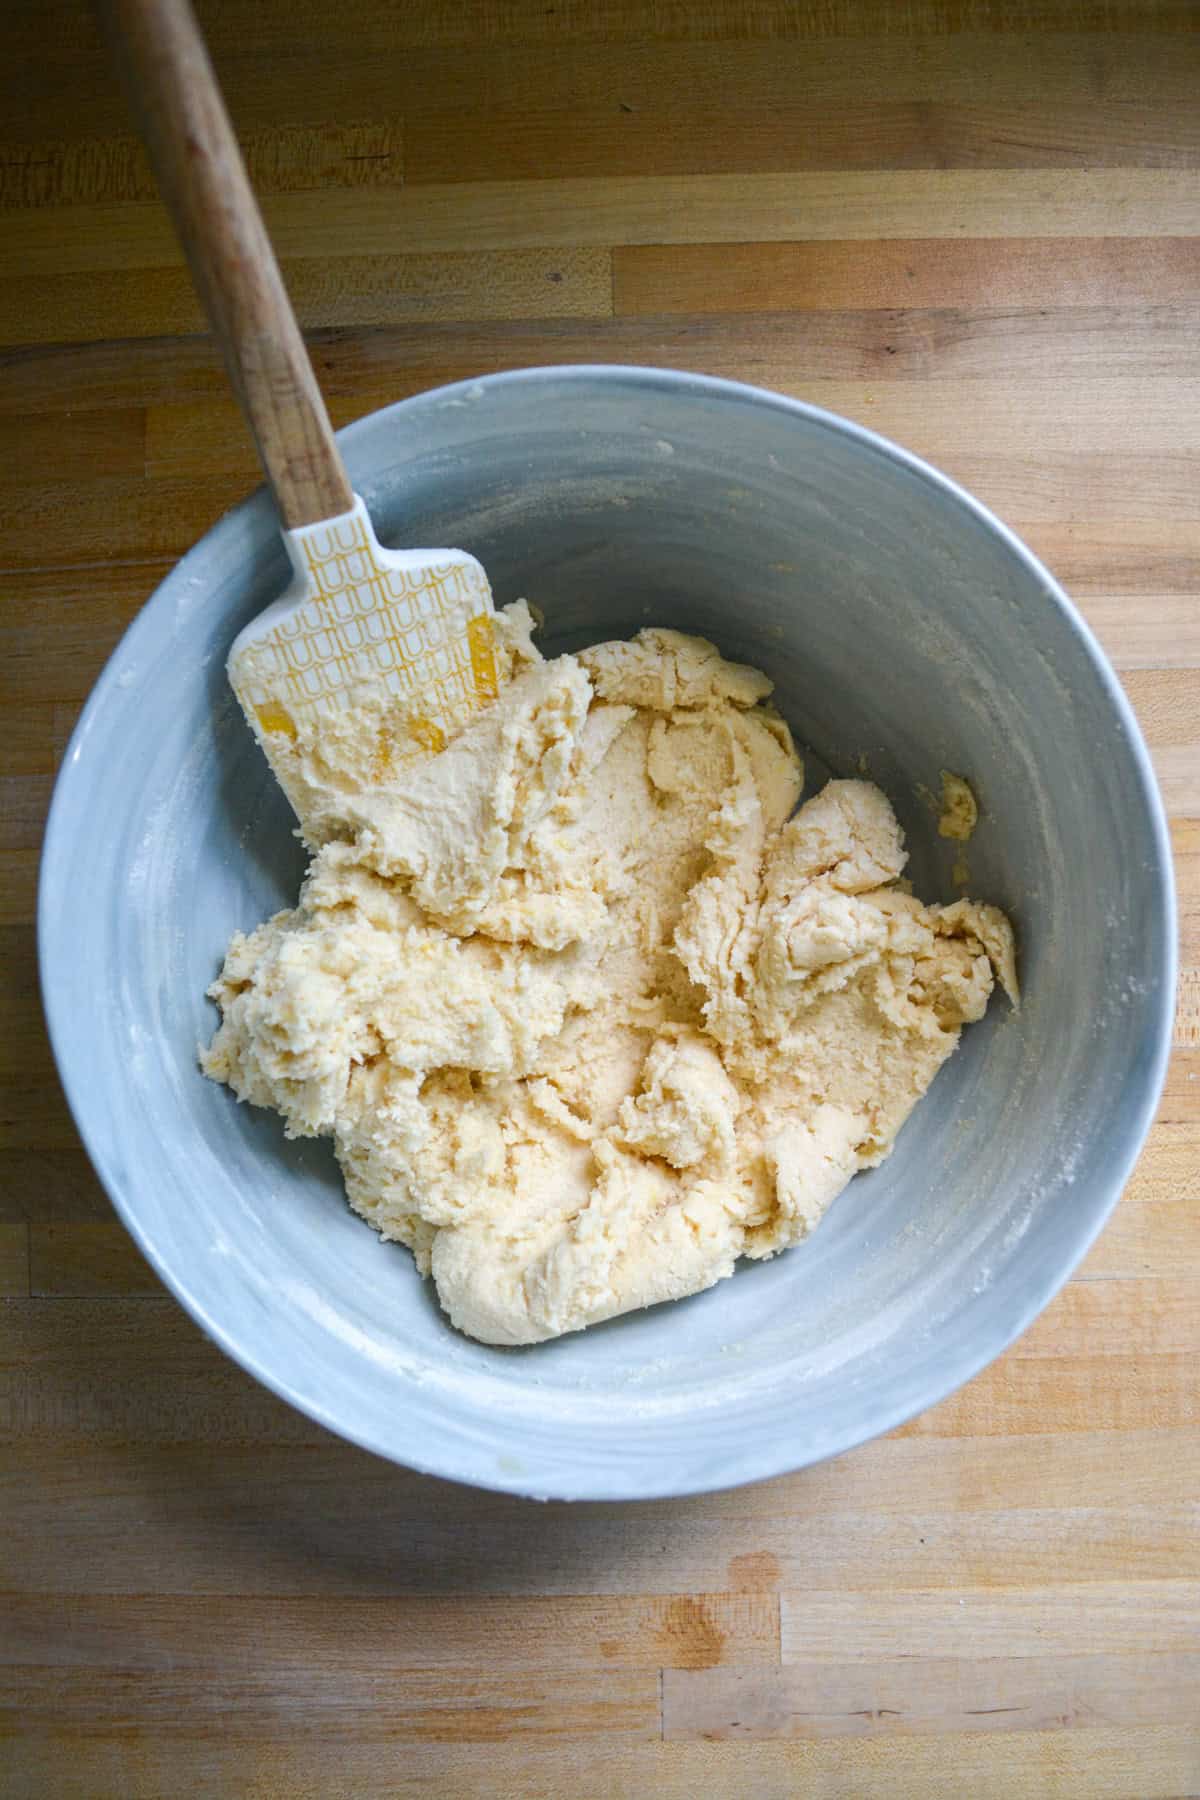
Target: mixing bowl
906, 631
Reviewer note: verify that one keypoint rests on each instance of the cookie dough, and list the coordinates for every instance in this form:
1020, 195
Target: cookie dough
588, 1008
959, 812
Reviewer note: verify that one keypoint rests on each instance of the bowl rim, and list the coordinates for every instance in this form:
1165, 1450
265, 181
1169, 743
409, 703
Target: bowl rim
775, 1459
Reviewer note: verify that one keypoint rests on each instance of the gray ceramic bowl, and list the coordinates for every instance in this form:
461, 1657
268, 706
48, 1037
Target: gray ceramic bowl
901, 623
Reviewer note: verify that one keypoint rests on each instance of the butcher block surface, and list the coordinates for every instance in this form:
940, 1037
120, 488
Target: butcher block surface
973, 226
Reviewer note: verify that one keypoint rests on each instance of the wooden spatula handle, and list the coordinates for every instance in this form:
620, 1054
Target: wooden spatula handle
203, 180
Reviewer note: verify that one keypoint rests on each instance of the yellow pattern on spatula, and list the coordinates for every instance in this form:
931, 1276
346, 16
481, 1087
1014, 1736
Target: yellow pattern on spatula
358, 616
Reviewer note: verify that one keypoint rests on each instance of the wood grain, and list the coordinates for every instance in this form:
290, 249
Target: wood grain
202, 175
1119, 416
392, 1637
918, 1694
642, 209
985, 275
287, 1517
975, 226
1142, 1616
93, 1257
283, 159
14, 1258
354, 290
1151, 1238
1103, 341
1121, 1763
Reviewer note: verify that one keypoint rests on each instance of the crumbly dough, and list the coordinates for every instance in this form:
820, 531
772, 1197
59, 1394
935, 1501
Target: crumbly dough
959, 812
588, 1008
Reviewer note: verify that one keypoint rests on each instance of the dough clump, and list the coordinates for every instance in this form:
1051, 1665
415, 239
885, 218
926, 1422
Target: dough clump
959, 813
588, 1008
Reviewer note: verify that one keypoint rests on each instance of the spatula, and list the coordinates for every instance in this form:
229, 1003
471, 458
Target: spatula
413, 624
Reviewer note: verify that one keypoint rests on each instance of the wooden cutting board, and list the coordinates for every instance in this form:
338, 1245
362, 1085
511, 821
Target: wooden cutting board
972, 224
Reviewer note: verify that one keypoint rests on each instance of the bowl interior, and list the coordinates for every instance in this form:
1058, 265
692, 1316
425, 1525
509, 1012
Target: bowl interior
906, 633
